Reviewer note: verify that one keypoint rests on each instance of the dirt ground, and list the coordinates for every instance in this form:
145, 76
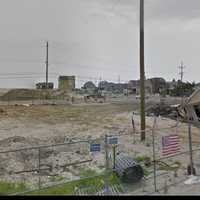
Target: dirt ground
46, 123
26, 126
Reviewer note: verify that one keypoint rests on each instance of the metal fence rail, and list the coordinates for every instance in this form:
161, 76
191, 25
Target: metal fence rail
103, 140
54, 185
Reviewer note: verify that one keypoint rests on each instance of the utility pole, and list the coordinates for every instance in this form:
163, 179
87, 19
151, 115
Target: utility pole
182, 67
99, 86
47, 64
142, 73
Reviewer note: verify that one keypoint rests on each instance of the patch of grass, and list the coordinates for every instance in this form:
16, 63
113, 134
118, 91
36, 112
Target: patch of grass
177, 163
169, 167
87, 173
56, 178
9, 188
141, 158
146, 172
69, 188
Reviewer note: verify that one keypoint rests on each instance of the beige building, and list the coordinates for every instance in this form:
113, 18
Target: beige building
66, 83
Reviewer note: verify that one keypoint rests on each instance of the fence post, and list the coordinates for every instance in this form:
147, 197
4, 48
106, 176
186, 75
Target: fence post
165, 187
8, 100
143, 185
32, 97
114, 155
190, 148
107, 166
39, 160
154, 153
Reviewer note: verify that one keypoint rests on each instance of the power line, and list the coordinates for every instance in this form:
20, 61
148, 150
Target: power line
55, 75
27, 73
92, 66
21, 77
19, 61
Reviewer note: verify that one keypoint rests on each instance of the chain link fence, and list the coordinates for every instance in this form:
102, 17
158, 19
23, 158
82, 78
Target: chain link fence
72, 164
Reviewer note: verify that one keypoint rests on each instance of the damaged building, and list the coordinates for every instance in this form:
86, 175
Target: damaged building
191, 107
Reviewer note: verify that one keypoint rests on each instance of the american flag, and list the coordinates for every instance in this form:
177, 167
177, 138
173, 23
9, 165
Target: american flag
170, 145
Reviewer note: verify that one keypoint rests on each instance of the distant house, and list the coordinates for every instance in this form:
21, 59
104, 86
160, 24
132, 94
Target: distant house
172, 85
113, 87
43, 86
134, 87
89, 87
158, 85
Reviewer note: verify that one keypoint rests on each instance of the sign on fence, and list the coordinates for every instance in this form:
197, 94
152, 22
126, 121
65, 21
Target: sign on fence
95, 147
113, 141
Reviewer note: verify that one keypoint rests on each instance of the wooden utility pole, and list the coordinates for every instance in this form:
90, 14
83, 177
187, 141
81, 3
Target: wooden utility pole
142, 72
47, 64
182, 72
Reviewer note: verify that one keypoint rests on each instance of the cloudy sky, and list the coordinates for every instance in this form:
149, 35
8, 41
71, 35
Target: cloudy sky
97, 38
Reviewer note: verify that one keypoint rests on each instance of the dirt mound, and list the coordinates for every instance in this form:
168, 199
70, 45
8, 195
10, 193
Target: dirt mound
161, 109
32, 94
3, 112
10, 140
21, 94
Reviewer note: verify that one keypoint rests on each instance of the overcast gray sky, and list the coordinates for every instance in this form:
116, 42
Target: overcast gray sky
97, 38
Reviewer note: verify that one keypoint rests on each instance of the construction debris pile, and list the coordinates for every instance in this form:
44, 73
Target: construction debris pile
162, 109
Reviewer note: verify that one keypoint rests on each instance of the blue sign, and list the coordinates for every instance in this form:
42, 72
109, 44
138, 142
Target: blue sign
95, 147
113, 140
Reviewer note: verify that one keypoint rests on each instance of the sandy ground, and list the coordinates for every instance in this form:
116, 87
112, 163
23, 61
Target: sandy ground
22, 126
